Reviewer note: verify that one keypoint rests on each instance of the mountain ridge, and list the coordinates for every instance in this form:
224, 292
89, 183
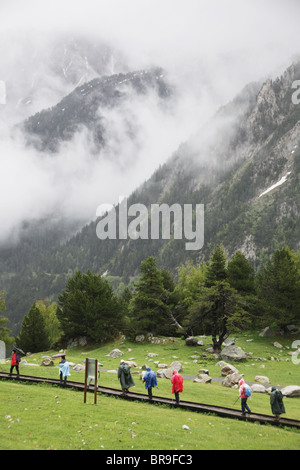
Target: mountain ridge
249, 146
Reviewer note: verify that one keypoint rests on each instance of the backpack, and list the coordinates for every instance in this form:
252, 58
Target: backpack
247, 391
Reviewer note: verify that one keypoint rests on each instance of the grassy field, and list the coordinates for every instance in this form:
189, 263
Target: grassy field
49, 417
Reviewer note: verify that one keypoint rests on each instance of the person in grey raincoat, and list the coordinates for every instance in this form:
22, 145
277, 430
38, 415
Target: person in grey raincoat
150, 381
124, 375
276, 401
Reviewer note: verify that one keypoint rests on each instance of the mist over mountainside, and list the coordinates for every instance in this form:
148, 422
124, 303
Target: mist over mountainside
148, 100
243, 165
88, 108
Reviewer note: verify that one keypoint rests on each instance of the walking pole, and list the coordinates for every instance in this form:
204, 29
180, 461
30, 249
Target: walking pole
236, 400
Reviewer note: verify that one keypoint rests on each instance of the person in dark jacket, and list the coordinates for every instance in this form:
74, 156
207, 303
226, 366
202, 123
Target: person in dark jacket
124, 375
276, 401
150, 381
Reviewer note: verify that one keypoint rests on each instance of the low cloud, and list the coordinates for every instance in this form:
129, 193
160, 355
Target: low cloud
209, 51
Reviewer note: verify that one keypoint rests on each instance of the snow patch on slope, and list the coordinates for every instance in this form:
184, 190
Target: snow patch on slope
279, 183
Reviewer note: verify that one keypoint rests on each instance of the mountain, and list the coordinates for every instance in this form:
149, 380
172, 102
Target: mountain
48, 68
244, 166
85, 108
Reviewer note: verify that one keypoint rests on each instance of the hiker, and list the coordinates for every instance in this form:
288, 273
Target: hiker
177, 385
63, 370
276, 401
150, 381
124, 375
15, 360
245, 393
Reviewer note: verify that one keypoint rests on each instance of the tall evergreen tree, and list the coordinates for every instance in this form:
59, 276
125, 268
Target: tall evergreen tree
33, 335
88, 307
150, 307
219, 308
241, 274
216, 269
279, 287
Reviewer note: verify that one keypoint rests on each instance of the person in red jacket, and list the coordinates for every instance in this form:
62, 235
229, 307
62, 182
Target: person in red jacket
15, 362
177, 384
243, 397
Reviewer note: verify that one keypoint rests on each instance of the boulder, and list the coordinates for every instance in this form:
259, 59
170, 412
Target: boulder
232, 379
152, 355
176, 365
262, 379
203, 371
162, 366
131, 363
291, 391
203, 379
229, 342
267, 332
258, 388
277, 345
233, 353
47, 362
139, 338
79, 367
193, 341
115, 353
228, 369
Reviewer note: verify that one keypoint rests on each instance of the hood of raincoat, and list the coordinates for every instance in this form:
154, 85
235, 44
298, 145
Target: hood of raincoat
177, 382
242, 382
150, 378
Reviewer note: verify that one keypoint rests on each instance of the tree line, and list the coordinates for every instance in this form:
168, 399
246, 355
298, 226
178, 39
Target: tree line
215, 298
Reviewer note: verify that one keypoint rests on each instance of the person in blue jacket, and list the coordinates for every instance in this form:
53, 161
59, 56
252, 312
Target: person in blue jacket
150, 381
63, 370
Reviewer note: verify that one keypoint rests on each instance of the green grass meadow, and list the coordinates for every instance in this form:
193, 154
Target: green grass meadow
42, 416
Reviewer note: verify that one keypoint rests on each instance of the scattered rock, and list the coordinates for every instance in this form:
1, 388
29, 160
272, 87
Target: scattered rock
203, 379
232, 379
203, 371
258, 388
233, 353
115, 353
176, 365
228, 369
139, 338
262, 379
131, 363
277, 345
79, 367
47, 362
291, 391
229, 342
193, 341
267, 333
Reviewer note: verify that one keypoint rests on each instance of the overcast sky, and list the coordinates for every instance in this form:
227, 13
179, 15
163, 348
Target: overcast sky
211, 49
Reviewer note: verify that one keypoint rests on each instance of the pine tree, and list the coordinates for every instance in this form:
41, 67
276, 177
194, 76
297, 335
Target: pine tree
149, 307
216, 269
279, 287
88, 307
241, 274
219, 308
33, 335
